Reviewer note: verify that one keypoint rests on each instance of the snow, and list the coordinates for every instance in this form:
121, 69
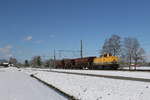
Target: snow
140, 67
16, 85
134, 74
94, 88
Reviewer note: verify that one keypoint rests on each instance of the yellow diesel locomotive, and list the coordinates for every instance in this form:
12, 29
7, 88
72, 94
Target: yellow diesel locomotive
106, 61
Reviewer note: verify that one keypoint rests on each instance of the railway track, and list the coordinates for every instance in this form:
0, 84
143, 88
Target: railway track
132, 70
137, 70
105, 76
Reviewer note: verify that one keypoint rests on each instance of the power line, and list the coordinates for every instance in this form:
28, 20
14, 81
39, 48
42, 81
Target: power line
62, 52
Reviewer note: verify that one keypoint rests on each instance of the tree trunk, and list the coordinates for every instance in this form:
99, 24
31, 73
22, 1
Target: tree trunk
135, 64
130, 63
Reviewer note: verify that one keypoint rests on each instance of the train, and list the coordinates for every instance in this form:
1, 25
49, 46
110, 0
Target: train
105, 61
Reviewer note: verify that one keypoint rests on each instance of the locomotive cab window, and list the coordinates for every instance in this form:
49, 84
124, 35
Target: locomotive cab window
109, 54
105, 55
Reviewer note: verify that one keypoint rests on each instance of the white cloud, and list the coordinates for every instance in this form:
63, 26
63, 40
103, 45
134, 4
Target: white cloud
6, 51
28, 38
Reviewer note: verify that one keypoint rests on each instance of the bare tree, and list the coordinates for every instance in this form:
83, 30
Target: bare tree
105, 48
112, 45
128, 44
13, 61
36, 61
133, 50
138, 55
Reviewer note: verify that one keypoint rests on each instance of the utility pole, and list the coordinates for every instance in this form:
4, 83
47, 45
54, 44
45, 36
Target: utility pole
81, 49
54, 58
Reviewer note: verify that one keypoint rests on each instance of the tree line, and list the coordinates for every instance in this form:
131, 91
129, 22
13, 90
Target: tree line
127, 49
38, 62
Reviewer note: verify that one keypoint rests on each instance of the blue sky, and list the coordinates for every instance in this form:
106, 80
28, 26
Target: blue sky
37, 27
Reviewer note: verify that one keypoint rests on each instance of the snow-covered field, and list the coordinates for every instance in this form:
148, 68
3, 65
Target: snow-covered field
134, 74
139, 67
94, 88
16, 85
